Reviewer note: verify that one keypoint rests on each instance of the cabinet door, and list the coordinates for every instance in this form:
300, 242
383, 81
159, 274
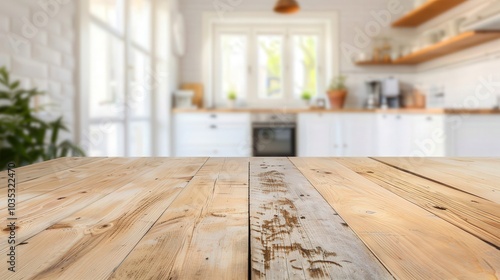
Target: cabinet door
224, 135
395, 135
387, 135
315, 135
474, 135
429, 137
358, 135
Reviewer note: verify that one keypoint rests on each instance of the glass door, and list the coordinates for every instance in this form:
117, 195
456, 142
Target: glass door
124, 50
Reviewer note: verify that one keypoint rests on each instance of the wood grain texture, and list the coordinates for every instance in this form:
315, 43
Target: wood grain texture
475, 215
411, 242
430, 9
296, 235
203, 234
91, 243
455, 174
52, 181
37, 170
47, 209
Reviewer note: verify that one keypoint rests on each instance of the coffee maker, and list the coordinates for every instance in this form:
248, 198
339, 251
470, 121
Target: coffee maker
383, 93
391, 93
374, 93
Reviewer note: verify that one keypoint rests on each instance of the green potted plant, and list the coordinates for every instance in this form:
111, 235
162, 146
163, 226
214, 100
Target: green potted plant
306, 96
337, 92
25, 138
231, 97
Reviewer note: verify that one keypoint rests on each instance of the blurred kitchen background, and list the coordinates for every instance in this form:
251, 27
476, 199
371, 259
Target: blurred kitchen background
258, 77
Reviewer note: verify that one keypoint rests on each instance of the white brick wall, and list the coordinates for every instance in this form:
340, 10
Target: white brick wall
46, 59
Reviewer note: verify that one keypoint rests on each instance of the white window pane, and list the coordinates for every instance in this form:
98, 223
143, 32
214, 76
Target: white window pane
305, 65
140, 139
140, 14
106, 87
139, 99
107, 140
234, 65
109, 11
162, 30
270, 63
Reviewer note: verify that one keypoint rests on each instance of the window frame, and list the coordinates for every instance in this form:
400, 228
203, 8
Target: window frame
157, 72
251, 23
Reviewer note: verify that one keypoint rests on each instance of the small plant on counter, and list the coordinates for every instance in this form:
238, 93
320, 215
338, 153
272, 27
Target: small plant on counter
307, 96
24, 137
338, 83
232, 95
337, 92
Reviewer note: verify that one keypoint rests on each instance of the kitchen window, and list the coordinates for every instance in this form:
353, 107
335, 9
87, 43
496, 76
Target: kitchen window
123, 42
269, 62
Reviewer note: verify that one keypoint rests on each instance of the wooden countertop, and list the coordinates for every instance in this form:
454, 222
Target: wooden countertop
258, 218
347, 110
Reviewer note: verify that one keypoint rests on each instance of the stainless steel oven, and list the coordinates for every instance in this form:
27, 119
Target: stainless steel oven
274, 135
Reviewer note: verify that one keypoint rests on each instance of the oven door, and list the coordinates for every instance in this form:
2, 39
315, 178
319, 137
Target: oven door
274, 141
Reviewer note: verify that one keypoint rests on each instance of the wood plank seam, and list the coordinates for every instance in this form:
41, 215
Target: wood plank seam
159, 217
412, 244
427, 178
436, 208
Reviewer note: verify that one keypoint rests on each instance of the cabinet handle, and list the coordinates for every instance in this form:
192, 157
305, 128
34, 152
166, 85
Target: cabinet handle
213, 116
429, 119
213, 126
398, 117
345, 145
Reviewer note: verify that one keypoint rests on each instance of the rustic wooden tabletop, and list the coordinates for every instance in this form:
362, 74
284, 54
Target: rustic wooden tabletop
258, 218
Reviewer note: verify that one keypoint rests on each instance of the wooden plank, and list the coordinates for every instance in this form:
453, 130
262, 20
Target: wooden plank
203, 234
446, 47
488, 167
426, 12
92, 242
295, 234
465, 178
475, 215
411, 242
37, 170
52, 181
46, 210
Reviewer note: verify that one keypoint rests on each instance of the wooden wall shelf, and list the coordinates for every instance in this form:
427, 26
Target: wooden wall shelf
427, 11
367, 63
455, 44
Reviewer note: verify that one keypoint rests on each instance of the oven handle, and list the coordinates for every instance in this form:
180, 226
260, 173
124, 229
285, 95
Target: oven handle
271, 126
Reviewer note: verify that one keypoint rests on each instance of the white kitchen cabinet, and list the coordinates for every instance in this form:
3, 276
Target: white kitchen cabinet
331, 134
315, 136
411, 135
429, 135
212, 135
394, 133
358, 135
473, 135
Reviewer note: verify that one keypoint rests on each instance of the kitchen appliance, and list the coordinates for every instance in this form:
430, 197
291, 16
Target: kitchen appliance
391, 93
274, 135
373, 89
184, 99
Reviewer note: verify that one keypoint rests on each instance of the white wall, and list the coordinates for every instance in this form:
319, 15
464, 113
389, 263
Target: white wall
37, 44
353, 13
